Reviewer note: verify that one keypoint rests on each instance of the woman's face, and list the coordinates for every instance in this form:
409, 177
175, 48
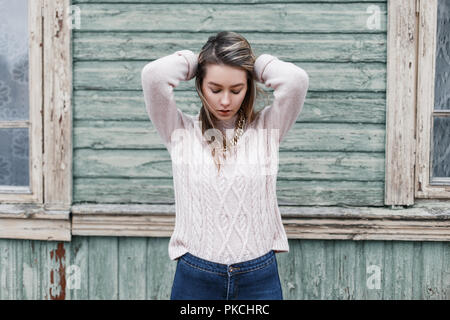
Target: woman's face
224, 88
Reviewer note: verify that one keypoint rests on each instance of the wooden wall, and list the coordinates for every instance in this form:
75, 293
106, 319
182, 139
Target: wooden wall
139, 268
333, 155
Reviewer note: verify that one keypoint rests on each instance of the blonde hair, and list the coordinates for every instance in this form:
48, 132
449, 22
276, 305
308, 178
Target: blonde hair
231, 49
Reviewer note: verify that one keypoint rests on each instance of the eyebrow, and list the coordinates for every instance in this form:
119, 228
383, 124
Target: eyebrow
235, 85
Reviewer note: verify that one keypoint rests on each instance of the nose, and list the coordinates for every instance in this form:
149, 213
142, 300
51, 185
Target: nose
225, 99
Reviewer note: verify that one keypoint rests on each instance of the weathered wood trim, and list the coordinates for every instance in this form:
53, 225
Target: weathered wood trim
36, 101
220, 1
34, 192
50, 117
425, 102
29, 211
35, 229
400, 108
426, 221
35, 222
57, 105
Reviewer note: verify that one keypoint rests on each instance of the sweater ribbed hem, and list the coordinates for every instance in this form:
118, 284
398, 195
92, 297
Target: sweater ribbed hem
280, 245
176, 252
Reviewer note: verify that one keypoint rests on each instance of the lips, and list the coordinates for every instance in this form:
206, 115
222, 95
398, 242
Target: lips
224, 112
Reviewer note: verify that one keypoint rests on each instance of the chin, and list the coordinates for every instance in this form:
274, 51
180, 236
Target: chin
228, 116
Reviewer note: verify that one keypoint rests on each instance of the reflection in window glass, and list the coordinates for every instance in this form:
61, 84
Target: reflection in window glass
442, 79
441, 147
14, 60
14, 157
440, 144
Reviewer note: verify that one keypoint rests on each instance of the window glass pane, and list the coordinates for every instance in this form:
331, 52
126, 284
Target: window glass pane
14, 60
14, 157
442, 80
441, 148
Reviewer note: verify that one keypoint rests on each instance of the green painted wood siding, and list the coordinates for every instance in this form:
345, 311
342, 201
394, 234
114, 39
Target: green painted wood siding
333, 155
139, 268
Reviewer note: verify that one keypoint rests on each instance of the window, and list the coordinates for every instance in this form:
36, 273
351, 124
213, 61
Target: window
20, 103
35, 120
433, 101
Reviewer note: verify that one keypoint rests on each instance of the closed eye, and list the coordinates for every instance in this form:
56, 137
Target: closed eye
217, 91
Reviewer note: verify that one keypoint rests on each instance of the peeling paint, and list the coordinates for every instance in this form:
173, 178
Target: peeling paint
57, 290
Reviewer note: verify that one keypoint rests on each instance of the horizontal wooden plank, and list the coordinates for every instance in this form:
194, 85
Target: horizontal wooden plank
288, 47
289, 17
89, 163
36, 229
33, 211
126, 75
429, 210
124, 209
220, 1
350, 107
371, 231
421, 210
426, 221
160, 191
104, 190
301, 137
330, 193
296, 228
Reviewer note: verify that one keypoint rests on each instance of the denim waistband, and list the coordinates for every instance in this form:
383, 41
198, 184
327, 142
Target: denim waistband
234, 268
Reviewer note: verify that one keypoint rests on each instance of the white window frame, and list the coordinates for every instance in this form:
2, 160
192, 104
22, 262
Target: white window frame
44, 211
410, 102
425, 102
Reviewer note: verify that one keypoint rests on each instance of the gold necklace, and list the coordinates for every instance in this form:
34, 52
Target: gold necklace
238, 131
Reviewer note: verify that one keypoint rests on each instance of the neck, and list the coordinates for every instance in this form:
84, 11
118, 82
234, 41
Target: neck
227, 123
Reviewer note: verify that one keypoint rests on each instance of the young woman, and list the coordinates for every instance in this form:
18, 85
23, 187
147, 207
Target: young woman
224, 162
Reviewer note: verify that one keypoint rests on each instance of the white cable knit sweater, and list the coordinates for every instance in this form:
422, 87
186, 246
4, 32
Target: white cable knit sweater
228, 216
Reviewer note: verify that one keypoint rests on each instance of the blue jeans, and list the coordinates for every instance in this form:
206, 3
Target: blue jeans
199, 279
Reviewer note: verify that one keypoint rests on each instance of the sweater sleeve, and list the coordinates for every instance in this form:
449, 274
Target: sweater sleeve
159, 78
290, 84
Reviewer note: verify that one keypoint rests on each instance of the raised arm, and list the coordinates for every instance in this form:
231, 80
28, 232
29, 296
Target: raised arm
290, 84
159, 78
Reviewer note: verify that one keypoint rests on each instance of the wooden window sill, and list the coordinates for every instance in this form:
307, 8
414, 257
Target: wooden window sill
34, 222
427, 220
